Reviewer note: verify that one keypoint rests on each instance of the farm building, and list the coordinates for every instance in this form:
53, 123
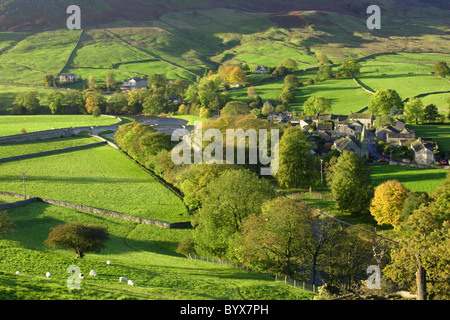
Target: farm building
68, 77
360, 147
134, 83
260, 70
423, 151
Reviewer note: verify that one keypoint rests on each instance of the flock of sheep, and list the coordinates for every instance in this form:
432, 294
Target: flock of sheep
92, 273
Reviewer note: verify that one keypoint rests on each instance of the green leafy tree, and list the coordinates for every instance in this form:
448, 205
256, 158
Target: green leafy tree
431, 113
49, 81
31, 102
349, 179
414, 110
297, 166
56, 102
289, 64
235, 108
110, 81
322, 59
384, 101
441, 69
350, 68
315, 105
154, 105
325, 72
291, 82
92, 83
420, 263
225, 206
78, 237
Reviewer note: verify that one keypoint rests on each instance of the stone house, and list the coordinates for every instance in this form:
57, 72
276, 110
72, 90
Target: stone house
423, 151
358, 146
68, 77
260, 70
134, 83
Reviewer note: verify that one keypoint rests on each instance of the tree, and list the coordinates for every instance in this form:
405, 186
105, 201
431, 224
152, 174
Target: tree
110, 81
350, 182
74, 103
289, 64
235, 108
6, 224
116, 103
56, 102
441, 69
78, 237
350, 68
291, 82
324, 72
31, 102
322, 59
431, 113
413, 202
384, 100
91, 103
387, 203
297, 166
232, 74
49, 81
154, 105
225, 206
251, 92
421, 260
193, 182
274, 240
414, 110
316, 105
287, 96
92, 83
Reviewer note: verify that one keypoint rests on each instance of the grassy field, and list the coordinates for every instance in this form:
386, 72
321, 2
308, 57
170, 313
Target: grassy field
10, 125
17, 149
100, 177
413, 178
140, 253
440, 133
28, 60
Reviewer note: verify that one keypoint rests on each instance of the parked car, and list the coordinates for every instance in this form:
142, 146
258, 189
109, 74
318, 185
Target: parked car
384, 159
444, 162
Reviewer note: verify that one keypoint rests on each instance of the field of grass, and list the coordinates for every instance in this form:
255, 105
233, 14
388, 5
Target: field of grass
17, 149
100, 177
141, 253
10, 125
408, 79
413, 178
440, 133
37, 55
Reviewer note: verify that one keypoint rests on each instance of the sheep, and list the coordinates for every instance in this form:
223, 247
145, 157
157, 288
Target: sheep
81, 276
123, 279
48, 274
130, 283
92, 273
108, 262
17, 272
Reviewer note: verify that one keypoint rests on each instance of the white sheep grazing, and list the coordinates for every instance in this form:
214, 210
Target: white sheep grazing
123, 279
92, 273
108, 262
17, 272
48, 274
81, 276
130, 283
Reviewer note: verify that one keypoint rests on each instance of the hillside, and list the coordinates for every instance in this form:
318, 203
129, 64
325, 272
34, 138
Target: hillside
29, 15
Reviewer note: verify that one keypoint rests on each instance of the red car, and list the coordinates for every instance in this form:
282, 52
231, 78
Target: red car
444, 162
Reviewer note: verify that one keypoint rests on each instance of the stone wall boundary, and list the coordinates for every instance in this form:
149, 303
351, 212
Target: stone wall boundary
83, 208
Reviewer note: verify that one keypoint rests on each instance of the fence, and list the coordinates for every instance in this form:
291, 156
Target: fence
287, 280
